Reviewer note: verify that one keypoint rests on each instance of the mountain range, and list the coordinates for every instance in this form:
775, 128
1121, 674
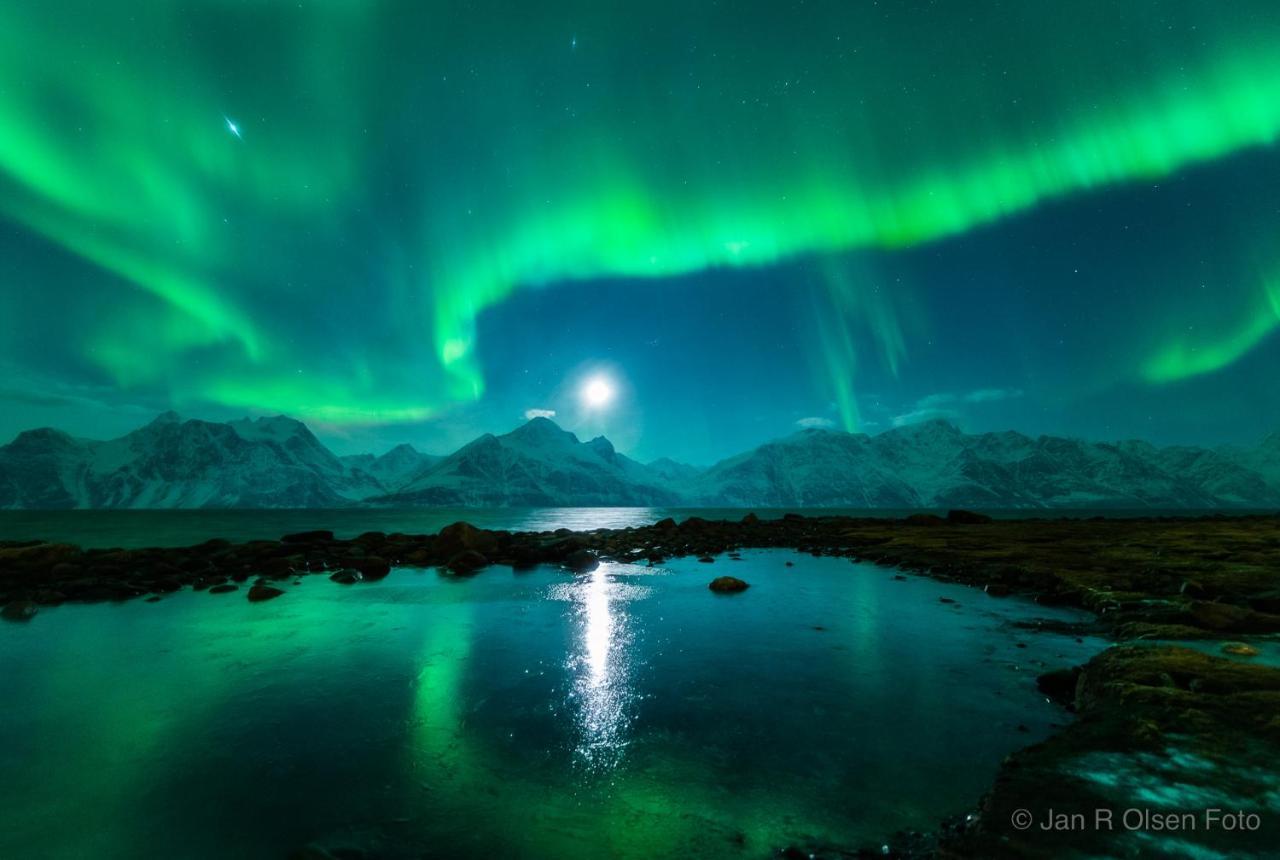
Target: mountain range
278, 463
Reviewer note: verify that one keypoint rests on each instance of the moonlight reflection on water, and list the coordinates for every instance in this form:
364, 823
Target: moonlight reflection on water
603, 689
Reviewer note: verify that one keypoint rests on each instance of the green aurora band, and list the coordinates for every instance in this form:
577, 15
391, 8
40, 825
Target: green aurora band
115, 148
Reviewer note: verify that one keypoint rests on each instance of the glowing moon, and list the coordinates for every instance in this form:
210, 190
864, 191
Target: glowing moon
597, 392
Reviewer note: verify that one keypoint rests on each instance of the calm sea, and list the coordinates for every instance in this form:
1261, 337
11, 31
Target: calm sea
125, 528
626, 713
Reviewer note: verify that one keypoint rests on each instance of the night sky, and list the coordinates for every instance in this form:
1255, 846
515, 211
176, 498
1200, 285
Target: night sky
413, 221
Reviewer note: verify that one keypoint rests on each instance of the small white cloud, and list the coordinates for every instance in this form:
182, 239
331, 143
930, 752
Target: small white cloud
531, 414
816, 423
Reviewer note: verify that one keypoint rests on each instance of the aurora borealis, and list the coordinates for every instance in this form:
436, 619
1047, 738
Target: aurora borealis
419, 220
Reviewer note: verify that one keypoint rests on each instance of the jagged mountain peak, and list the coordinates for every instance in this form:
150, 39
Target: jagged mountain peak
41, 438
165, 418
270, 426
540, 431
276, 461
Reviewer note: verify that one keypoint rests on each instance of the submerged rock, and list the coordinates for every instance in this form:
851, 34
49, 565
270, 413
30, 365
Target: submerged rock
1239, 649
19, 610
224, 588
259, 593
728, 585
346, 576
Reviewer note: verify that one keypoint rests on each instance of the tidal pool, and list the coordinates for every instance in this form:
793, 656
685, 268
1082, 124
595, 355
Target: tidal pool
626, 712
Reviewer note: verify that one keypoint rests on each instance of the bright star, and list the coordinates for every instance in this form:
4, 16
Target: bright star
232, 127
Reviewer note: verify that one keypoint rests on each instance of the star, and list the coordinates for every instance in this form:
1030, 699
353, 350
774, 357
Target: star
232, 126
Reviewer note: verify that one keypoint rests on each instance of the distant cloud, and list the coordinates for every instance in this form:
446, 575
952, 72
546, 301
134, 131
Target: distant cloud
531, 414
942, 405
816, 423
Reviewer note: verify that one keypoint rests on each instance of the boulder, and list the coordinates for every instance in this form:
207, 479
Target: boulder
581, 561
467, 561
375, 567
1221, 616
346, 576
260, 592
728, 585
460, 536
19, 610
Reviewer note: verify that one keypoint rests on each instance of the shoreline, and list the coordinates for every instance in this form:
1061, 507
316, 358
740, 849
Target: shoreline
1153, 714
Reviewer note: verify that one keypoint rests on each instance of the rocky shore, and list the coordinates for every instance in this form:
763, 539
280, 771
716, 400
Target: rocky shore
1158, 727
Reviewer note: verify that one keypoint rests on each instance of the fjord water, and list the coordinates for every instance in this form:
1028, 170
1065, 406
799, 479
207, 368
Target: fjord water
142, 528
625, 712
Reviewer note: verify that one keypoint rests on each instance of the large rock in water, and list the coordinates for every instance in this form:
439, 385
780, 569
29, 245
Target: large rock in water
19, 610
259, 593
467, 561
460, 536
375, 568
581, 561
728, 585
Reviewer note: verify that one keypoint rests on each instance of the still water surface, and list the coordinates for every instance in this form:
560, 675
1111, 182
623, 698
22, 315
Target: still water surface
125, 528
627, 712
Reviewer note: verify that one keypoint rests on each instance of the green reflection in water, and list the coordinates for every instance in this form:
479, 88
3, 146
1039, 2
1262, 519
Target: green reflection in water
623, 713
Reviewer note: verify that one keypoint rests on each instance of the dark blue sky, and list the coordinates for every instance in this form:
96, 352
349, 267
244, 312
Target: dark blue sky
403, 225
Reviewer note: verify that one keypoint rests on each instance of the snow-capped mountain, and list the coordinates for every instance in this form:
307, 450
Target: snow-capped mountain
536, 464
1263, 461
172, 463
391, 471
934, 464
278, 462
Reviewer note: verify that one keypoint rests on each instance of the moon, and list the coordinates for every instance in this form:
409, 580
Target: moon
597, 392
